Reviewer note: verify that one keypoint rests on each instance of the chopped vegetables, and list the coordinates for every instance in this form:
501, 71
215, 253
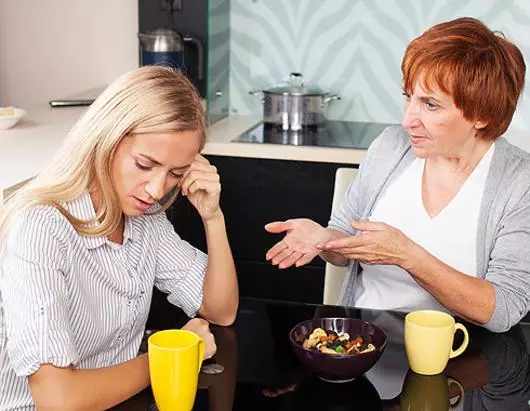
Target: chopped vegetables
329, 342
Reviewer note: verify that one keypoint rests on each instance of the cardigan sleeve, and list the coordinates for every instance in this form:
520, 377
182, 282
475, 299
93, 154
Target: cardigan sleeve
509, 267
382, 157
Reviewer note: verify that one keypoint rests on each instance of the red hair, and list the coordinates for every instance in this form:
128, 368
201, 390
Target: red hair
479, 68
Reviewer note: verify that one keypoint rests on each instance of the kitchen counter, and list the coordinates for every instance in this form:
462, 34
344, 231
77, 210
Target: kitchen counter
221, 133
28, 147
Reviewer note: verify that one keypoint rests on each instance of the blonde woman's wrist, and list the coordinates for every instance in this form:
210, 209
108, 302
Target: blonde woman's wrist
214, 217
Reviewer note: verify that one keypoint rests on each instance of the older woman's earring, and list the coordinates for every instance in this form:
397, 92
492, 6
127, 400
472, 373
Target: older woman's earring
480, 124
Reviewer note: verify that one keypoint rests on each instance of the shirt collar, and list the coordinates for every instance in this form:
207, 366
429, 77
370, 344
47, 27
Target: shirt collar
83, 208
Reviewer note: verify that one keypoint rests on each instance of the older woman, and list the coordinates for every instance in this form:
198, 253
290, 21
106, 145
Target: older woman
86, 241
439, 215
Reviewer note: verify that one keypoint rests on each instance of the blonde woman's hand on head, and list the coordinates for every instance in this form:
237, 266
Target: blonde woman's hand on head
202, 329
299, 246
201, 184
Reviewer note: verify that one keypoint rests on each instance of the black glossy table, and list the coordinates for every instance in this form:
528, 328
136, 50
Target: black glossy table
261, 372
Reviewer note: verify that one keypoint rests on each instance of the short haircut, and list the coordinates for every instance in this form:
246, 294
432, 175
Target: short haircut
479, 68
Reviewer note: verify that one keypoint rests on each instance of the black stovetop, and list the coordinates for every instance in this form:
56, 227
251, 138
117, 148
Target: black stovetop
342, 134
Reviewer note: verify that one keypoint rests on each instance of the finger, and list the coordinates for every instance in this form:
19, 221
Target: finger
351, 242
206, 328
292, 259
207, 167
201, 159
278, 227
191, 186
190, 181
204, 172
193, 175
211, 353
305, 259
320, 246
196, 166
276, 249
362, 254
211, 187
366, 225
184, 185
278, 259
348, 253
202, 322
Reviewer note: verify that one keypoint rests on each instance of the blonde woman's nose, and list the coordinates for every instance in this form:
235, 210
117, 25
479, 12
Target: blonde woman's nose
156, 188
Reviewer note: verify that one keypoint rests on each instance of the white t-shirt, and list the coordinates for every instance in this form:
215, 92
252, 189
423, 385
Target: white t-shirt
450, 236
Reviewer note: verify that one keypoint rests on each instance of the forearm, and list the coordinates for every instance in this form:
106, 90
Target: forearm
93, 389
469, 297
331, 257
220, 300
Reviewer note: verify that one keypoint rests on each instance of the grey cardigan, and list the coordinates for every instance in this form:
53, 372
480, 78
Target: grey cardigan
503, 236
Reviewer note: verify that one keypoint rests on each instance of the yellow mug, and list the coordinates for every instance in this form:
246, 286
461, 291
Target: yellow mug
175, 359
429, 338
429, 392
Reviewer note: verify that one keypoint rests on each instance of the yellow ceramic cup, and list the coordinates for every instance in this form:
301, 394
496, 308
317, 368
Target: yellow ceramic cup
429, 392
175, 359
429, 338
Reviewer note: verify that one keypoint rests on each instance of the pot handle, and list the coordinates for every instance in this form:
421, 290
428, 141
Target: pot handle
330, 97
296, 79
257, 92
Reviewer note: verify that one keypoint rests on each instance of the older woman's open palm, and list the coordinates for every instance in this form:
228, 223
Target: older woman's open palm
299, 246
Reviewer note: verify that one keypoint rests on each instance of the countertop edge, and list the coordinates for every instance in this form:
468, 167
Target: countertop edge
29, 146
44, 128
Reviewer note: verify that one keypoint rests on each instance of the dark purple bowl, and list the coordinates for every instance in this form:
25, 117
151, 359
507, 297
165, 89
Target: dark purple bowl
340, 367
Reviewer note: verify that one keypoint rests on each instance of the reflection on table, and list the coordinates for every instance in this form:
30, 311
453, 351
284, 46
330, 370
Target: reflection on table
261, 372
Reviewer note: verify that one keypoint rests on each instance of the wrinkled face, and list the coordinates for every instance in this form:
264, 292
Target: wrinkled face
435, 125
147, 166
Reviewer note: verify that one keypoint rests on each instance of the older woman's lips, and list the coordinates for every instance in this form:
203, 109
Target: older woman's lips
417, 139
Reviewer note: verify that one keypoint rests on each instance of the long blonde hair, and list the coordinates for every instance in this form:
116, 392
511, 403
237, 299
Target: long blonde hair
151, 99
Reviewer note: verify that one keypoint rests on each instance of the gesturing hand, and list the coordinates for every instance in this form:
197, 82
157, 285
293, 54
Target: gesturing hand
378, 243
201, 184
299, 246
202, 329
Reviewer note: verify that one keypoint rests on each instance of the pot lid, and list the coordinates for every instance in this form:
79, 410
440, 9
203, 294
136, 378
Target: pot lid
296, 87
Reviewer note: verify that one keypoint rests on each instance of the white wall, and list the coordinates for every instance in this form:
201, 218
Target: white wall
54, 48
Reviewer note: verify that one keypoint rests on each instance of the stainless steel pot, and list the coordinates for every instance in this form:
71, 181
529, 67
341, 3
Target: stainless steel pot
294, 106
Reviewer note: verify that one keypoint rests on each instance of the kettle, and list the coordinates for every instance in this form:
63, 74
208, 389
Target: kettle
166, 47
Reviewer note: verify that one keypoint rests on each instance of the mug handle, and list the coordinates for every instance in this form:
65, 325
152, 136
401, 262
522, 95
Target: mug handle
201, 353
460, 349
460, 388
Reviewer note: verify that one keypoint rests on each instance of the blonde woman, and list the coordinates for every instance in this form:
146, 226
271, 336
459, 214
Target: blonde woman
86, 240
